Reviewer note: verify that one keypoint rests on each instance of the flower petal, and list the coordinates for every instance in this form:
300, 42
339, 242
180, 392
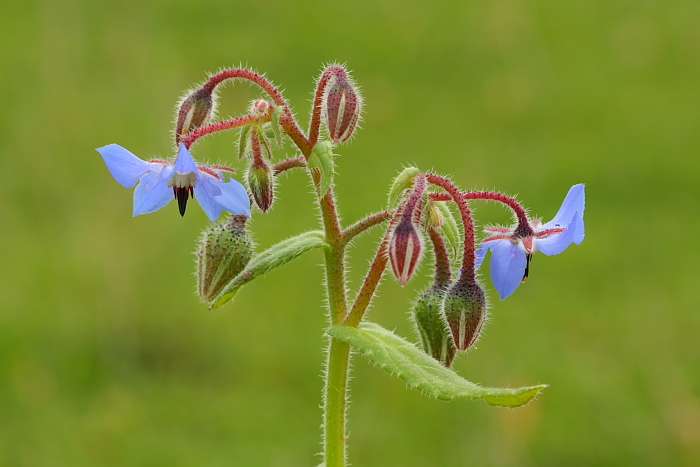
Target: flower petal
151, 194
125, 167
558, 242
508, 263
204, 192
573, 203
184, 163
233, 198
480, 253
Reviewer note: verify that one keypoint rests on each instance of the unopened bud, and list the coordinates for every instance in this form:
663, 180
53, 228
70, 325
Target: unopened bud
342, 106
224, 251
464, 308
259, 107
261, 184
194, 111
432, 328
405, 248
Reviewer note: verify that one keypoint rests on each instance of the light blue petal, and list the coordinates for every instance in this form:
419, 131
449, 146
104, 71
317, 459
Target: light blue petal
480, 253
151, 194
125, 167
580, 231
233, 198
556, 243
508, 263
574, 202
184, 163
204, 192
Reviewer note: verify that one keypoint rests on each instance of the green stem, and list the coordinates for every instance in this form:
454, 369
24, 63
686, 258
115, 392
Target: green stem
337, 370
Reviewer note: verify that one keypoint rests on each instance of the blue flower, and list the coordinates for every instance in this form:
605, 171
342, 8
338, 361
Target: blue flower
160, 180
512, 247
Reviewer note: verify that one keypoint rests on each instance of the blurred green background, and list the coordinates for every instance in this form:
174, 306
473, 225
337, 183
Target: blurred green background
108, 359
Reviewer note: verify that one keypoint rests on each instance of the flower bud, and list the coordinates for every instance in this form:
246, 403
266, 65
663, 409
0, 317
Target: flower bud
224, 251
464, 309
194, 111
261, 183
405, 248
432, 328
259, 107
342, 106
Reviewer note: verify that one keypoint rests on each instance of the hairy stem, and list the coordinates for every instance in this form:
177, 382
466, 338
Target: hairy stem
335, 403
363, 224
287, 164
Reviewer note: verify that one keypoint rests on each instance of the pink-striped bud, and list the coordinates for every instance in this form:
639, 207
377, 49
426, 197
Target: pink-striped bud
342, 106
464, 308
261, 184
194, 111
405, 248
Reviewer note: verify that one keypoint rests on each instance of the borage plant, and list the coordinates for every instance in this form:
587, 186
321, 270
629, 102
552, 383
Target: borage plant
420, 215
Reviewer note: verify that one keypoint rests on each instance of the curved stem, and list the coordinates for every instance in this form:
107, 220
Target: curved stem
237, 122
467, 274
489, 195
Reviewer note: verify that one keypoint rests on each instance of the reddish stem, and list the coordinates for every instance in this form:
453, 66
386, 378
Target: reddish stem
286, 164
363, 224
286, 119
507, 200
194, 135
442, 260
467, 270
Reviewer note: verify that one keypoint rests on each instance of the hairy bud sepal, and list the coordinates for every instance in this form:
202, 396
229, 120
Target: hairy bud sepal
195, 110
224, 251
435, 336
261, 184
405, 249
341, 106
464, 310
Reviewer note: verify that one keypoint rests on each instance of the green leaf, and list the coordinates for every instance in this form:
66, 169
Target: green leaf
419, 371
322, 159
275, 256
275, 123
242, 141
401, 183
450, 228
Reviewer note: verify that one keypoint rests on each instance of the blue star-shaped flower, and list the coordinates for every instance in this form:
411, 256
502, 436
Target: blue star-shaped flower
512, 247
160, 180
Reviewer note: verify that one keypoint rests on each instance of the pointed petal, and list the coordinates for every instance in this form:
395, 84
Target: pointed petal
184, 162
580, 231
204, 192
508, 261
573, 203
125, 167
151, 194
556, 243
233, 198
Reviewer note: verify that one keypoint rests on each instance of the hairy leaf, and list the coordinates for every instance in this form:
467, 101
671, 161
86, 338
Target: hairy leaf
275, 256
449, 228
321, 159
419, 371
401, 183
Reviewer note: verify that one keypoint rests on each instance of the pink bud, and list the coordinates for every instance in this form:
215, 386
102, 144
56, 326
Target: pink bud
405, 247
259, 107
342, 105
194, 111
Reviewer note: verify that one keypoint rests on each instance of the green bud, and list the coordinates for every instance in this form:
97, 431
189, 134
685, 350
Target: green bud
224, 251
432, 328
464, 309
261, 184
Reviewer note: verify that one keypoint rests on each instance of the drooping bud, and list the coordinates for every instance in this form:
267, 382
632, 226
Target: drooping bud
405, 248
224, 251
261, 183
435, 336
464, 309
194, 111
342, 105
